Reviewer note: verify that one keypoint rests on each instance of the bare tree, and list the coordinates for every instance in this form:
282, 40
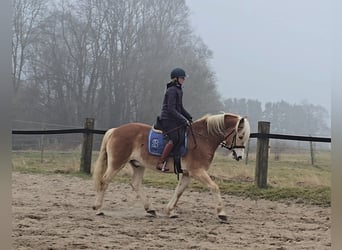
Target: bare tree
27, 15
111, 60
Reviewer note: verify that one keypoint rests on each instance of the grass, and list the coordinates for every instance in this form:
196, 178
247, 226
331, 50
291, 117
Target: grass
291, 178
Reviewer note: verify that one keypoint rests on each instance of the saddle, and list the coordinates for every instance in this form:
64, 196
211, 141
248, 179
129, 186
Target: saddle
157, 141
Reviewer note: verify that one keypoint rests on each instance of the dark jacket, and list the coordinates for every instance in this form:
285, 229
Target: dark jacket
173, 105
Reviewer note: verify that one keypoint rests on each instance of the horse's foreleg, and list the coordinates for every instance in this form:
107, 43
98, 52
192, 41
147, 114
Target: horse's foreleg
138, 173
203, 177
182, 185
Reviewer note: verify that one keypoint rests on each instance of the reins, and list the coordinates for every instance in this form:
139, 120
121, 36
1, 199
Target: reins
190, 128
193, 136
223, 143
173, 129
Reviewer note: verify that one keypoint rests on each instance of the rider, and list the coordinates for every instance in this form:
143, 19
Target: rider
174, 117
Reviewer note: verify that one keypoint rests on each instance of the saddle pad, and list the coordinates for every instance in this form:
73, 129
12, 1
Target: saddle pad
156, 143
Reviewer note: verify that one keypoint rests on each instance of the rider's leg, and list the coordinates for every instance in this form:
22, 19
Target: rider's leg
167, 150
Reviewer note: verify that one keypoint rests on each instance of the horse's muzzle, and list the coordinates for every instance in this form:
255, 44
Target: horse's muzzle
235, 156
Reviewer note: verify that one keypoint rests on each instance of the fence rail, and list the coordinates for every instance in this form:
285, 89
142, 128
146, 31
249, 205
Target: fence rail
290, 137
262, 137
58, 131
101, 132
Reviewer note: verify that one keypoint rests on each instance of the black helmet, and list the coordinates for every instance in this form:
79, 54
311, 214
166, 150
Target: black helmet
177, 72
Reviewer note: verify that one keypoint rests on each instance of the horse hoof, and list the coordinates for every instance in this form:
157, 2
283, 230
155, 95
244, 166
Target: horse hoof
173, 215
100, 213
152, 213
96, 207
223, 218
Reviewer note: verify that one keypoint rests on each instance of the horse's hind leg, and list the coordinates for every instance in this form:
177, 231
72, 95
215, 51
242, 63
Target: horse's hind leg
138, 173
111, 171
182, 185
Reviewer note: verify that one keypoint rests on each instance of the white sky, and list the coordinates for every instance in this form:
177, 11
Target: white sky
268, 50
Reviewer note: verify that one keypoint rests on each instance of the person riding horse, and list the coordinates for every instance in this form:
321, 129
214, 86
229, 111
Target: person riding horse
174, 117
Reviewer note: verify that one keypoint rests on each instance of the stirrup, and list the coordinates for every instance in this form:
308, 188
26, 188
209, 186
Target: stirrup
163, 168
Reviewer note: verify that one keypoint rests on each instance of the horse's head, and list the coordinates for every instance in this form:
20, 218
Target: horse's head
237, 139
231, 130
242, 136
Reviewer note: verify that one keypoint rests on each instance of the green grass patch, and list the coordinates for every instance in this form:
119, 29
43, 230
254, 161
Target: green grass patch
307, 195
314, 195
292, 178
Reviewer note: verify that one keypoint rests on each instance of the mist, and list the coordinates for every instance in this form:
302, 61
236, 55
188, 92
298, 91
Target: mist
111, 60
268, 50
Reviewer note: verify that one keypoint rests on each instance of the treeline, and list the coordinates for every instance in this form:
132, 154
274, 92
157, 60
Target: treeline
105, 59
111, 60
302, 119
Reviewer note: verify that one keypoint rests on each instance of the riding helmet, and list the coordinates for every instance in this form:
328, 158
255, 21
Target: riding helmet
178, 72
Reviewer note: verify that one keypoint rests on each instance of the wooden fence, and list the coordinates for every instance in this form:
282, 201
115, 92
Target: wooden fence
263, 135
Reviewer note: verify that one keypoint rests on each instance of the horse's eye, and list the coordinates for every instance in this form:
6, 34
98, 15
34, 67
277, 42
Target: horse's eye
240, 137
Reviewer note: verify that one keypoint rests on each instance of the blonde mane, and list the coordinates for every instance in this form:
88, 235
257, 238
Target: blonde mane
215, 123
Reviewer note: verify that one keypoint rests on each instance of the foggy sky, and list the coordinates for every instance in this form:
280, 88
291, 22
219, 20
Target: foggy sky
268, 50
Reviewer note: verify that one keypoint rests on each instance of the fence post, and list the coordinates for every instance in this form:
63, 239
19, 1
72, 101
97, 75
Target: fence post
42, 145
247, 151
312, 153
262, 155
87, 146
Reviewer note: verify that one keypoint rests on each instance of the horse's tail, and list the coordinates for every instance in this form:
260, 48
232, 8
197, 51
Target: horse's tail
101, 162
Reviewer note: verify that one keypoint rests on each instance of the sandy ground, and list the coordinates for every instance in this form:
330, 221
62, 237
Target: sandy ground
54, 212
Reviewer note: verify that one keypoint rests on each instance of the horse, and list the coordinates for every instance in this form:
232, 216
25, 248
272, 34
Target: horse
128, 144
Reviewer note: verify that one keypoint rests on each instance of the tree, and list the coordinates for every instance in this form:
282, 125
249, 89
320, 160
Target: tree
111, 60
285, 118
26, 18
304, 119
245, 107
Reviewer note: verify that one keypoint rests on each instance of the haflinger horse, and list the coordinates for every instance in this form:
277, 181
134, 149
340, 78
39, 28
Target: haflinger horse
129, 144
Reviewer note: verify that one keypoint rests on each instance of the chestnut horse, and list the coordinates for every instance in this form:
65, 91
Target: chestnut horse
129, 144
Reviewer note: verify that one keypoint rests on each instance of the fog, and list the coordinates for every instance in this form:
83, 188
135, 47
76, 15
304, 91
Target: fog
268, 50
111, 60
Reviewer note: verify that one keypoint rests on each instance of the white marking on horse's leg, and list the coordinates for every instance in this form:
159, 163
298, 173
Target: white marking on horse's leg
182, 185
138, 173
203, 177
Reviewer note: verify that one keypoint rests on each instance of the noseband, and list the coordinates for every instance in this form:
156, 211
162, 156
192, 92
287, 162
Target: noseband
233, 145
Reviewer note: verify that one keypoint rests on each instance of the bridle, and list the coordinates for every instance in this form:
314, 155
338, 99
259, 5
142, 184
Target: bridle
223, 142
233, 145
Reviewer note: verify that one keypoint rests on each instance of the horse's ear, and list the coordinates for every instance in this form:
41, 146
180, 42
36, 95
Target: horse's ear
241, 123
242, 120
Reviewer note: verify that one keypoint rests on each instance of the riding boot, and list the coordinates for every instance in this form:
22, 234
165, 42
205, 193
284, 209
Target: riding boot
161, 165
